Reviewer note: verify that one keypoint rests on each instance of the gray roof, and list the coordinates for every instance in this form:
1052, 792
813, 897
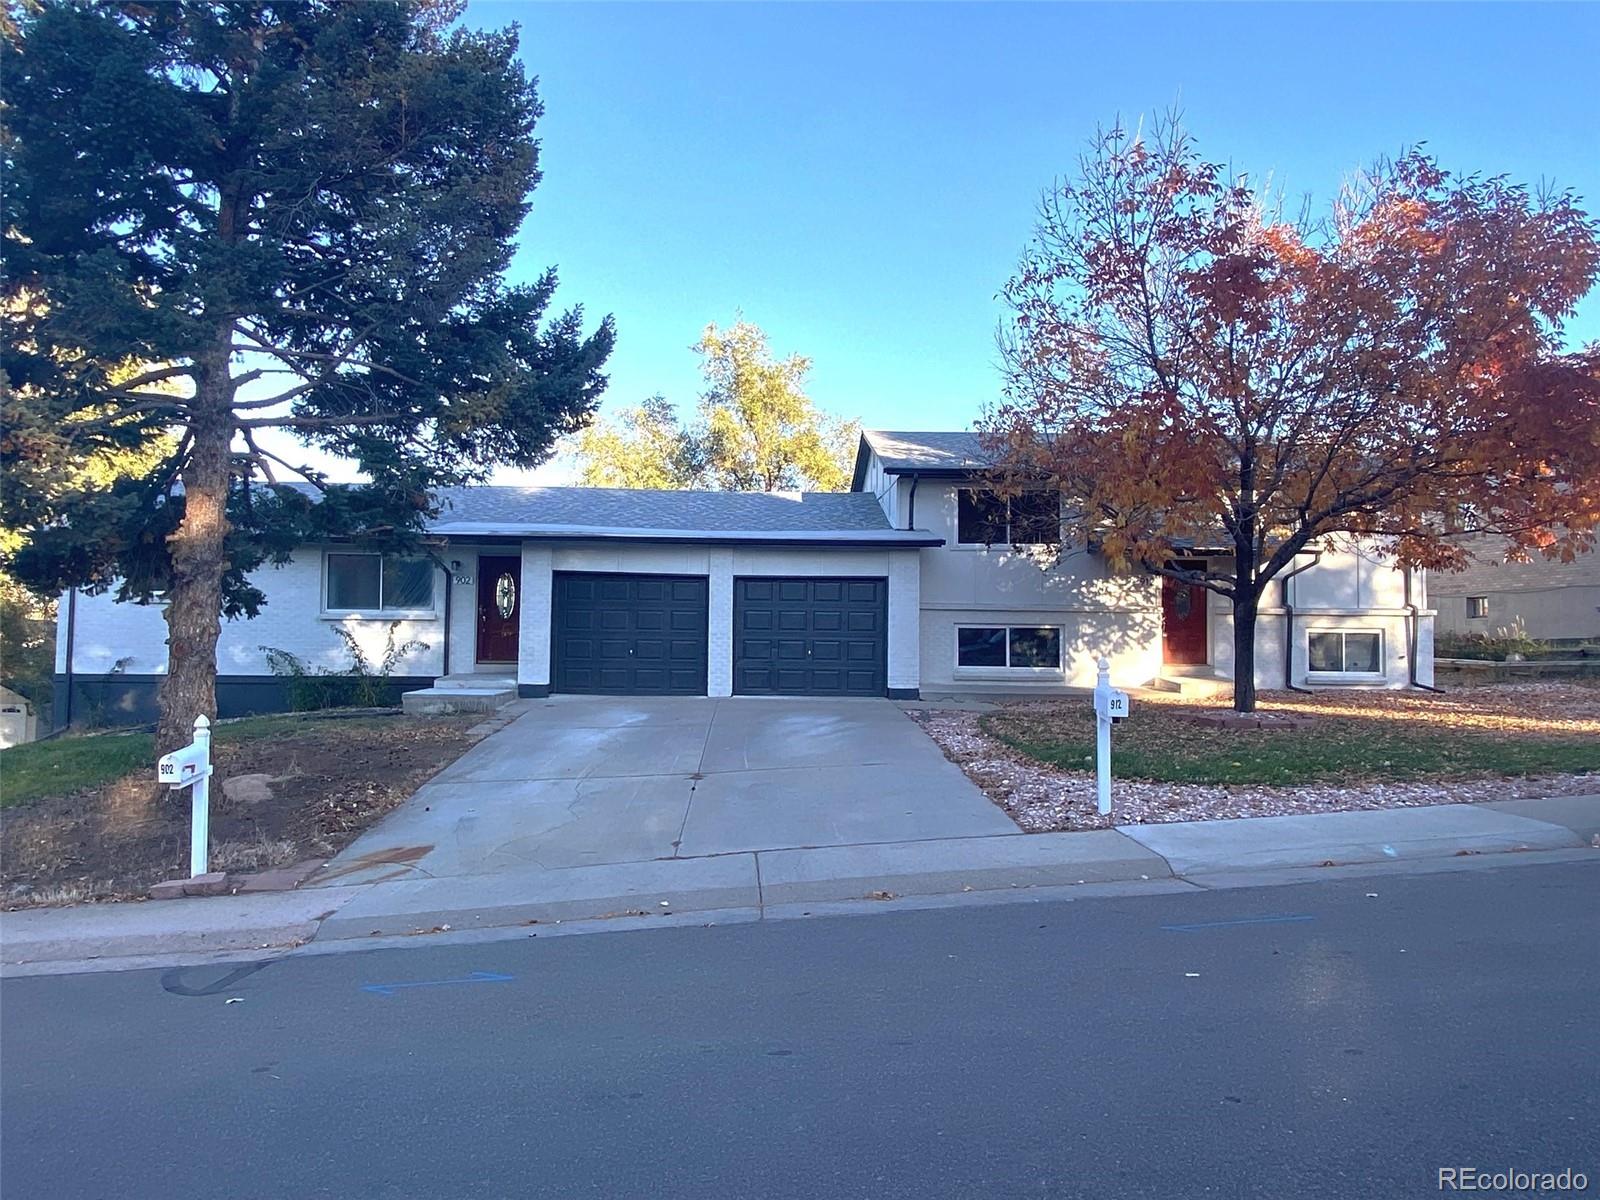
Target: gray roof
649, 515
900, 451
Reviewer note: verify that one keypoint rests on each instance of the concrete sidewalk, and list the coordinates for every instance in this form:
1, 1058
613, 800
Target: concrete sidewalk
747, 885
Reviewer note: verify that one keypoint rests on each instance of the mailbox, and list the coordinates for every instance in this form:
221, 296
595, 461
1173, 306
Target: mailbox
190, 767
1111, 703
1110, 706
183, 767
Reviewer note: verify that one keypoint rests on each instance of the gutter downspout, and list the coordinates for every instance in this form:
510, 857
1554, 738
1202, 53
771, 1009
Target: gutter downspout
911, 503
1288, 624
1412, 637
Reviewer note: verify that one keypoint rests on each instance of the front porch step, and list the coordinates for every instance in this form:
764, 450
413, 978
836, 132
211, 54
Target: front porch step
467, 679
440, 701
1195, 687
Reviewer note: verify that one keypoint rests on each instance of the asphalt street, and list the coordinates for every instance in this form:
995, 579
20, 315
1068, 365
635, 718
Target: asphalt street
1345, 1038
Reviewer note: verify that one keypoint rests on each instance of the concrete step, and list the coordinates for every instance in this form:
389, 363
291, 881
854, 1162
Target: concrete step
1197, 687
439, 701
468, 680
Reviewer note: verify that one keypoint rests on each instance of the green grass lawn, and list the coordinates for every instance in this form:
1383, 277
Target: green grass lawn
70, 763
1157, 743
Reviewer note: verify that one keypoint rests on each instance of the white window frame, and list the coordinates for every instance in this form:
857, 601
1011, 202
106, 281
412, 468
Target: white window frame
380, 613
1006, 541
1383, 657
1009, 672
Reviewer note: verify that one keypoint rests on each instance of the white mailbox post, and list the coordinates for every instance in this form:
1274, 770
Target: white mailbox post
1109, 705
190, 767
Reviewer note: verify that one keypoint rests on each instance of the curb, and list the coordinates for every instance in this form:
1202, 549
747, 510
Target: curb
770, 883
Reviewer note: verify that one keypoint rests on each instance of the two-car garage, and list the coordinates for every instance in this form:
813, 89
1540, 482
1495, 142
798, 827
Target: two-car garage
638, 634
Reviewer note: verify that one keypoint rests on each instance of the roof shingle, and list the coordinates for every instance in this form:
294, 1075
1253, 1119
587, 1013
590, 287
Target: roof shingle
927, 451
639, 509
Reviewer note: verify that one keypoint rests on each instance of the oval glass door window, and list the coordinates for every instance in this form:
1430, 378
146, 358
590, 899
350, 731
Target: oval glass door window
505, 595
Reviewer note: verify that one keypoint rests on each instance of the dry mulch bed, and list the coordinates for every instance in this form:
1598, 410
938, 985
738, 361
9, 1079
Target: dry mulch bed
325, 780
1042, 797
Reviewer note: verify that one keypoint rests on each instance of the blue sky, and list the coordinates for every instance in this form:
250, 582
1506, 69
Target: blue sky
859, 179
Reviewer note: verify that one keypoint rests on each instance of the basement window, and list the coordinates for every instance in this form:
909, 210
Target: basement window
1477, 606
1009, 648
378, 583
1345, 652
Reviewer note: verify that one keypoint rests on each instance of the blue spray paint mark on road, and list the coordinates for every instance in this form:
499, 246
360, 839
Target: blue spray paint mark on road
389, 989
1283, 920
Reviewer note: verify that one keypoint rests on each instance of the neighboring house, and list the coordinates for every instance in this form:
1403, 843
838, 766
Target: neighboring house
1551, 601
888, 589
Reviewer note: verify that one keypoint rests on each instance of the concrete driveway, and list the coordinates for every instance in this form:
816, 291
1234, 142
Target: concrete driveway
581, 781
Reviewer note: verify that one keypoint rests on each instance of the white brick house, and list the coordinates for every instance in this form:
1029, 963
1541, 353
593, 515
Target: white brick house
884, 590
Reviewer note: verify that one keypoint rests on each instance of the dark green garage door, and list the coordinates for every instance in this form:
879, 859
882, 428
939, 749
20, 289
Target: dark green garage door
810, 637
629, 635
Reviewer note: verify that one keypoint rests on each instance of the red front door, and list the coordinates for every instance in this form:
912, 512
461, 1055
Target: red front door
1183, 620
499, 608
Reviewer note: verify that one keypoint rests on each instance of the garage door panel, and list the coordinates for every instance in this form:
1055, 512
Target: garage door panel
639, 634
833, 636
826, 651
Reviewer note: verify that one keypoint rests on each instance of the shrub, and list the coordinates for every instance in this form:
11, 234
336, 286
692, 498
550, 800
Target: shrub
1504, 643
310, 688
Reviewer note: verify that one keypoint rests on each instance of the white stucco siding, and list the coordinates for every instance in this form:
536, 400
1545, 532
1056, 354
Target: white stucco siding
533, 628
1130, 640
129, 639
884, 487
1346, 579
1099, 611
1003, 577
1351, 589
135, 635
1392, 627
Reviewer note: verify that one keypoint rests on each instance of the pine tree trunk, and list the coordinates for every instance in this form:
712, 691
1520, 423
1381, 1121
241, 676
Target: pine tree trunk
1244, 651
194, 599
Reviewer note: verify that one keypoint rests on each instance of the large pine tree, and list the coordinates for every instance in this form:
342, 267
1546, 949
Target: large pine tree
292, 216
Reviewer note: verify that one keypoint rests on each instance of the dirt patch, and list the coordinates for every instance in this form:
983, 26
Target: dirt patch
326, 781
1042, 796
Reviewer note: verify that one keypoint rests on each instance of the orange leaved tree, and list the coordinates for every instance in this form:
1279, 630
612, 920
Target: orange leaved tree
1186, 366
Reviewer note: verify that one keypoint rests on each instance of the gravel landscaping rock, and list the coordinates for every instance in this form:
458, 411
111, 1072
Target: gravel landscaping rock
1042, 798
